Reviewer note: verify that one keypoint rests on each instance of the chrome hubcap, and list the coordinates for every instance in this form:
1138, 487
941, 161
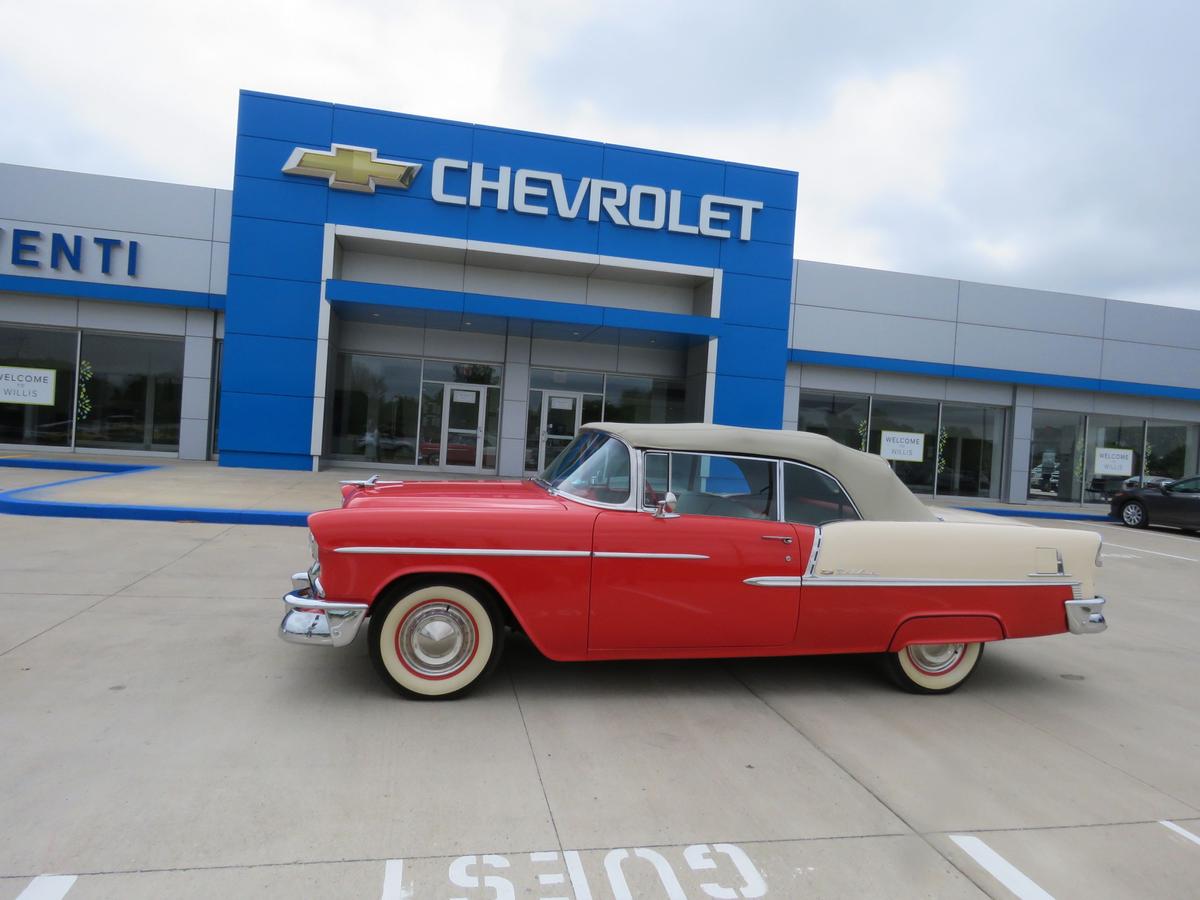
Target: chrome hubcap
436, 639
936, 658
1132, 514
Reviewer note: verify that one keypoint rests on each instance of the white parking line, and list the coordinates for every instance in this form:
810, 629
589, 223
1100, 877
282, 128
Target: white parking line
1000, 868
1181, 831
1164, 535
1152, 552
393, 880
48, 887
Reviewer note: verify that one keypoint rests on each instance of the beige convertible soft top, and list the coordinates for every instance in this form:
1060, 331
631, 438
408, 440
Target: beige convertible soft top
870, 481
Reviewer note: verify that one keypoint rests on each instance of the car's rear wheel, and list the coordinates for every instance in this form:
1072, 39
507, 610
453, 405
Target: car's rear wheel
436, 640
1134, 515
932, 668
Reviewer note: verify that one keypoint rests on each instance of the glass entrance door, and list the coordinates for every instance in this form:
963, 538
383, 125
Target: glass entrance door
560, 422
462, 425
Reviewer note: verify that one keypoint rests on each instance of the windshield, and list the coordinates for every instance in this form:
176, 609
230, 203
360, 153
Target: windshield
595, 466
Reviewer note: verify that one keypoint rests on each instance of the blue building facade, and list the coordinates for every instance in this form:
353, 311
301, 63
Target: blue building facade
526, 204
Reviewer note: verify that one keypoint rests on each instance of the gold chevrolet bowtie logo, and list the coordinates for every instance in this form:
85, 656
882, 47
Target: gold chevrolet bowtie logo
351, 168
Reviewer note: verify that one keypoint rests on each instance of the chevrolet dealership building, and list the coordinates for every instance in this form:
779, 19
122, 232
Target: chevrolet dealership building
386, 290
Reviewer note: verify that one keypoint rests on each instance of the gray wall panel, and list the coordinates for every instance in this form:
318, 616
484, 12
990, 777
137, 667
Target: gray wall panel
136, 318
31, 310
832, 378
222, 215
872, 290
1151, 364
218, 273
872, 334
988, 392
1070, 401
899, 384
1028, 351
73, 199
1150, 324
1177, 410
992, 304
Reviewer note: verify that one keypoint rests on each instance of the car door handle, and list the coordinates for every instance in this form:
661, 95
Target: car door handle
777, 537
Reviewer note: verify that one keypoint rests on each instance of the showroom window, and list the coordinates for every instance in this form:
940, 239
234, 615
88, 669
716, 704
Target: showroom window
842, 417
970, 451
1086, 459
904, 432
561, 401
375, 405
130, 390
408, 411
952, 449
37, 386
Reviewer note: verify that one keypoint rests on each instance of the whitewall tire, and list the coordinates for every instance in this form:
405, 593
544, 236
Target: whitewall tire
933, 668
436, 641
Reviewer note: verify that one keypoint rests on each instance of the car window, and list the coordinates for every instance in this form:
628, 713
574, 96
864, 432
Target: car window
1186, 486
813, 498
595, 466
707, 484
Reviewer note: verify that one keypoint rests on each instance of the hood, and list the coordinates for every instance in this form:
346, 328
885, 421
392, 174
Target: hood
448, 495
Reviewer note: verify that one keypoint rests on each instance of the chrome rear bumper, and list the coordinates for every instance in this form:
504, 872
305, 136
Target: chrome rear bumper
1086, 616
307, 620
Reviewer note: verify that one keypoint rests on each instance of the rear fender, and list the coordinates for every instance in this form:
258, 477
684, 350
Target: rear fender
946, 630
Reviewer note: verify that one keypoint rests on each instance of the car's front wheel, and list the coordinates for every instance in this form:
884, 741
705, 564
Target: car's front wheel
1134, 515
436, 640
932, 668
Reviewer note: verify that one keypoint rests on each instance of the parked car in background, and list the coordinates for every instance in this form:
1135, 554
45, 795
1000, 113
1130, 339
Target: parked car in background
1175, 503
673, 541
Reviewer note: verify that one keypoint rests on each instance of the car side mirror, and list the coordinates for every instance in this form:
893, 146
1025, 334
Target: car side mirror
1164, 487
665, 508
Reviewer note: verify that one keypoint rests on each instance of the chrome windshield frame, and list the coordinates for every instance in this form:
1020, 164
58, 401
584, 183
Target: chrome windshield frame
634, 472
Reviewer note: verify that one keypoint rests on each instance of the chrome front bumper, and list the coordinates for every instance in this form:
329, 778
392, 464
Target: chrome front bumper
1086, 616
307, 620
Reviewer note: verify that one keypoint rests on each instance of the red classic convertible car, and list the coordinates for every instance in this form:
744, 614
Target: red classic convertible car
653, 541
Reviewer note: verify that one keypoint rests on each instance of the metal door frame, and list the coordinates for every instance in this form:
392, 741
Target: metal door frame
448, 388
547, 393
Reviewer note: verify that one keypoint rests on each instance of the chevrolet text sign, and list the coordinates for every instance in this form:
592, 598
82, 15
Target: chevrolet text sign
531, 191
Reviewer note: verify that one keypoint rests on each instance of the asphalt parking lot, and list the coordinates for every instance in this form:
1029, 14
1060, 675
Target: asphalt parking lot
160, 741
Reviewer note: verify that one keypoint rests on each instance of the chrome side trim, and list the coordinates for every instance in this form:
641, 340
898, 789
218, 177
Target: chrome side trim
1086, 616
620, 554
880, 581
456, 551
812, 556
775, 581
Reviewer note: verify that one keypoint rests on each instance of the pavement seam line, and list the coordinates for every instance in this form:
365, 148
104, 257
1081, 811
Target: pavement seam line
1090, 755
536, 765
136, 581
792, 725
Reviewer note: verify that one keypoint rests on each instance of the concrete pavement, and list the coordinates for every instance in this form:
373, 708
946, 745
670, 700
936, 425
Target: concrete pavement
160, 741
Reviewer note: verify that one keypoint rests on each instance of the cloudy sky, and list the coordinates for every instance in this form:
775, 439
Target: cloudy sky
1051, 145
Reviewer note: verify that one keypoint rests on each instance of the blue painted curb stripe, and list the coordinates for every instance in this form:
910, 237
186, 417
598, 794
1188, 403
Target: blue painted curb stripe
13, 503
1018, 512
70, 465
